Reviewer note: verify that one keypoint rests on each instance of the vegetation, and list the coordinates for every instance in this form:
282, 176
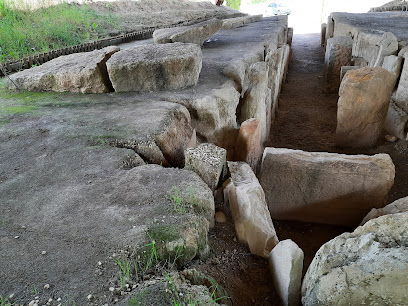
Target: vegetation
25, 32
235, 4
5, 301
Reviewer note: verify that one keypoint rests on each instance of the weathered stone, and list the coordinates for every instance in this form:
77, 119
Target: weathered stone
396, 121
207, 160
338, 54
344, 70
253, 104
365, 94
196, 33
286, 265
398, 206
359, 61
155, 67
290, 36
253, 223
368, 266
329, 28
390, 138
249, 146
232, 23
80, 72
401, 97
220, 217
323, 30
324, 187
387, 45
393, 64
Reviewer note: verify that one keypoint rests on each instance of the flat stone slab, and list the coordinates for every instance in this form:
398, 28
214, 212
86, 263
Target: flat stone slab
80, 72
324, 187
155, 67
368, 266
195, 34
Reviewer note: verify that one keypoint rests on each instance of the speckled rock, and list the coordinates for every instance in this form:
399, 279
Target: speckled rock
155, 67
207, 160
366, 267
398, 206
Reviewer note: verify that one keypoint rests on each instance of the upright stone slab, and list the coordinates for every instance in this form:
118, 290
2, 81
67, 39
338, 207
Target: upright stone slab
393, 64
253, 223
323, 30
249, 146
345, 69
366, 267
365, 94
286, 265
155, 67
338, 54
208, 161
324, 187
396, 122
80, 72
401, 97
396, 207
196, 33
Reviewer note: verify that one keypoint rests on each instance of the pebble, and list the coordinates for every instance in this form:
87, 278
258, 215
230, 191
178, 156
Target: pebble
50, 300
220, 217
99, 263
111, 289
47, 286
90, 297
23, 227
43, 252
31, 303
16, 237
59, 300
11, 296
390, 138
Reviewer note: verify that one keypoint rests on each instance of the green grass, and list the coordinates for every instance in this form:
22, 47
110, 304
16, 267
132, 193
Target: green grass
26, 32
235, 4
5, 301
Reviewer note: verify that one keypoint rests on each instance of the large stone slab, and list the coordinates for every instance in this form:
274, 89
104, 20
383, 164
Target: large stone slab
248, 147
196, 34
79, 72
368, 266
286, 265
401, 97
155, 67
338, 54
324, 187
365, 94
208, 161
253, 223
396, 122
393, 64
398, 206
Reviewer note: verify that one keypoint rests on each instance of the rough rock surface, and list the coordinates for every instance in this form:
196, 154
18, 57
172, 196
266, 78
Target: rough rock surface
80, 72
208, 161
393, 64
324, 187
396, 121
286, 265
196, 34
368, 266
338, 54
253, 222
345, 69
365, 94
249, 146
401, 97
155, 67
395, 207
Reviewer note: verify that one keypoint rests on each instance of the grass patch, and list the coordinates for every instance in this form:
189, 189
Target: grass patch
25, 32
235, 4
5, 301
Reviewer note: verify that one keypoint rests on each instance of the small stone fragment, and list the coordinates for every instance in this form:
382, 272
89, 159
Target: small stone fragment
390, 138
47, 286
220, 217
111, 289
43, 252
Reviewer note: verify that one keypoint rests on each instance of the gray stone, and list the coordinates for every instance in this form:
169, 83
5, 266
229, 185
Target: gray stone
324, 187
323, 30
365, 94
338, 54
396, 121
286, 265
79, 72
196, 33
207, 160
155, 67
393, 64
248, 147
290, 36
253, 223
344, 70
401, 97
368, 266
359, 61
398, 206
387, 45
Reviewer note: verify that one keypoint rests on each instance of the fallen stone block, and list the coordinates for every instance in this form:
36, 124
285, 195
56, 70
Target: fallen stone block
290, 36
253, 223
286, 265
249, 146
155, 67
387, 45
396, 122
344, 70
324, 187
196, 33
368, 266
393, 64
80, 72
338, 54
396, 207
208, 161
401, 97
365, 94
